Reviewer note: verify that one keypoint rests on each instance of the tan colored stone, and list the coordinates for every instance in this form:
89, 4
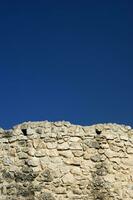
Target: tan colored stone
51, 145
110, 154
74, 139
60, 190
40, 153
52, 152
76, 170
68, 179
130, 150
63, 146
77, 153
109, 178
123, 136
75, 146
31, 152
13, 151
110, 135
128, 161
72, 161
33, 162
22, 155
36, 143
66, 154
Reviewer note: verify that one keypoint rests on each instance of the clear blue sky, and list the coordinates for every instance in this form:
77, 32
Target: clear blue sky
66, 60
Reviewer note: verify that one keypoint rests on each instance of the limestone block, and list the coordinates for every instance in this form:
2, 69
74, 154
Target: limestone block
68, 179
66, 154
78, 153
76, 171
31, 151
110, 154
63, 146
40, 153
51, 145
109, 178
75, 146
22, 155
60, 190
33, 162
52, 152
124, 136
130, 150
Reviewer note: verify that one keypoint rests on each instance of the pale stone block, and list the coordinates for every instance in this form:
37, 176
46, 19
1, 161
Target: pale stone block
33, 162
68, 179
66, 154
63, 146
51, 145
130, 150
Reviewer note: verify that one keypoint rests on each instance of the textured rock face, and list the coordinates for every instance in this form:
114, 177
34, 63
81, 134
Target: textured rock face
61, 161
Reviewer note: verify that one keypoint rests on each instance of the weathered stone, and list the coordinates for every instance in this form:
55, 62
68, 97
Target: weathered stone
40, 153
12, 139
22, 155
76, 170
7, 161
92, 144
66, 154
95, 158
77, 153
75, 139
73, 161
47, 196
75, 146
46, 176
128, 161
33, 162
52, 152
109, 178
52, 145
109, 153
88, 153
36, 143
9, 176
60, 190
13, 151
123, 136
130, 150
68, 179
31, 151
48, 161
63, 146
39, 130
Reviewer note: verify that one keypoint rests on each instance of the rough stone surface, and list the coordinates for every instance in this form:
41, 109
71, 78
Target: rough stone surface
61, 161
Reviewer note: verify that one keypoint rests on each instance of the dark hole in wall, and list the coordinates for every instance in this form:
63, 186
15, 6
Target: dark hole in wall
98, 132
24, 131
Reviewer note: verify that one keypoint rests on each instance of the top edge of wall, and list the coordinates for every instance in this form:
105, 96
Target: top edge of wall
46, 123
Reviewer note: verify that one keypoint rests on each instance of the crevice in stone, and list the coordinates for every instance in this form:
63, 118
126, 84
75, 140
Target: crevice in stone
24, 131
98, 132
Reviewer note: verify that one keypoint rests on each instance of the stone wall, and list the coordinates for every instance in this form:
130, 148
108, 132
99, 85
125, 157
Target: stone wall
61, 161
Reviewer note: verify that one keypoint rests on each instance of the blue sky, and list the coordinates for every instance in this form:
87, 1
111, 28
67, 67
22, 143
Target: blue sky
66, 60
